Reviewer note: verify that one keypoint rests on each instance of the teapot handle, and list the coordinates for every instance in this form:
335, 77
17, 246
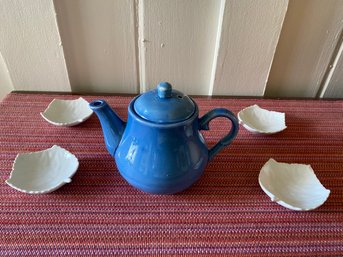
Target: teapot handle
226, 140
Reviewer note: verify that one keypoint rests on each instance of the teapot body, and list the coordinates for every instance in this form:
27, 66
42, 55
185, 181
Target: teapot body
160, 149
161, 158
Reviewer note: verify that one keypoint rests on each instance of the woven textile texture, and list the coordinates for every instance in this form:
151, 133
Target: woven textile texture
224, 213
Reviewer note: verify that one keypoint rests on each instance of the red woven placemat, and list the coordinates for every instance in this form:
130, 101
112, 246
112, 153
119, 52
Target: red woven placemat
224, 213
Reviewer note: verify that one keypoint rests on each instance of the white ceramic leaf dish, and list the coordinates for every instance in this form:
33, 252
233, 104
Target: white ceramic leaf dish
294, 186
67, 112
43, 171
258, 120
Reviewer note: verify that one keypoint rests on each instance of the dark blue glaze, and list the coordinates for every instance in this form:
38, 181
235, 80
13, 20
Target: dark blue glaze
215, 113
160, 158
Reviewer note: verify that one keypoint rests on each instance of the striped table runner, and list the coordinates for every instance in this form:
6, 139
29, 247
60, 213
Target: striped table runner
224, 213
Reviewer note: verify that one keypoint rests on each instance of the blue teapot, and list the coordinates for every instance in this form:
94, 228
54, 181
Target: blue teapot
160, 149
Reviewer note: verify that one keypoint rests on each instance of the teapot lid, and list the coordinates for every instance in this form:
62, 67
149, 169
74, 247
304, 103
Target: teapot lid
164, 105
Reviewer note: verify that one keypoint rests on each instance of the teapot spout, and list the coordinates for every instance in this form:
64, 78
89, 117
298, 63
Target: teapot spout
112, 126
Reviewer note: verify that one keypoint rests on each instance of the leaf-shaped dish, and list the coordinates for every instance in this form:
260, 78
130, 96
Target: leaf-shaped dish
43, 171
258, 120
294, 186
67, 112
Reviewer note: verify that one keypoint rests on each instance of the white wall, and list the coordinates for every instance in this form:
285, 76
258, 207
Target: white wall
99, 44
31, 46
220, 47
306, 50
6, 85
177, 41
249, 35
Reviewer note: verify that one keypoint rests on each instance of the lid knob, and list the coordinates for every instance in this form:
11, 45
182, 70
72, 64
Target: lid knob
164, 90
164, 105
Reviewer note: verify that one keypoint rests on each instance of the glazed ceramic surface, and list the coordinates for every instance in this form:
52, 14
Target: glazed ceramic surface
160, 149
258, 120
44, 171
67, 112
294, 186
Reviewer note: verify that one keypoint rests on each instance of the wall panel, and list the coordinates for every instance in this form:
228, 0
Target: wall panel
249, 34
177, 41
333, 84
308, 40
30, 46
99, 41
6, 84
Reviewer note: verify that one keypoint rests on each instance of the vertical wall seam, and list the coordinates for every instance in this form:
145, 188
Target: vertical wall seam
337, 53
217, 46
136, 43
140, 44
11, 86
275, 48
61, 44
